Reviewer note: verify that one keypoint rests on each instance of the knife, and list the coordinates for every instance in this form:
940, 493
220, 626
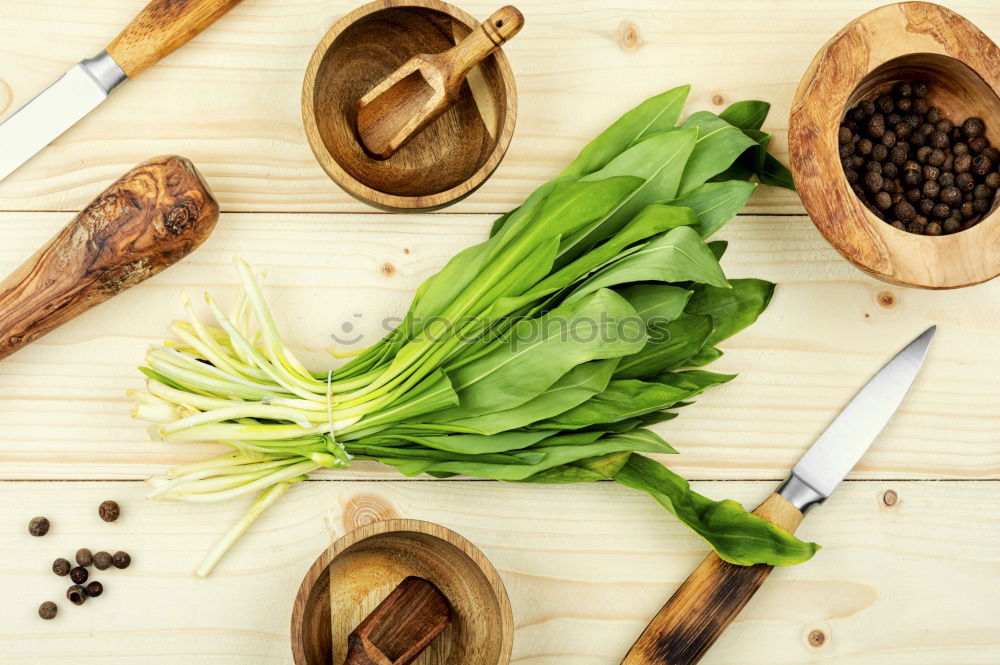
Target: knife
716, 591
159, 29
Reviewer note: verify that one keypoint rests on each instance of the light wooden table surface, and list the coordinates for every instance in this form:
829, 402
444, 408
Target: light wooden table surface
913, 582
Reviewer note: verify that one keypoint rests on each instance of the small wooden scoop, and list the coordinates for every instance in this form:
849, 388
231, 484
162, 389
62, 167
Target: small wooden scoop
427, 85
401, 626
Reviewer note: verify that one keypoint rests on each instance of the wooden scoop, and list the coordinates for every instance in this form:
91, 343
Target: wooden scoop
401, 627
426, 86
153, 216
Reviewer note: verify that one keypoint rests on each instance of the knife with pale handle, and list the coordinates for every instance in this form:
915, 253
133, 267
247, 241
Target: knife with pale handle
708, 601
159, 29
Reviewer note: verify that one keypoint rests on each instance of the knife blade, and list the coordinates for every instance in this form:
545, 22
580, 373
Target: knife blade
715, 593
159, 29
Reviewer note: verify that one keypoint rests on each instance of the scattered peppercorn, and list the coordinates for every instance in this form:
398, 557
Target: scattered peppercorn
48, 610
84, 557
121, 560
79, 574
95, 589
76, 594
913, 167
109, 511
38, 526
61, 567
102, 560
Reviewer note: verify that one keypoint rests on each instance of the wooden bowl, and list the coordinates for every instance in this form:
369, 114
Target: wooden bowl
451, 157
354, 574
903, 41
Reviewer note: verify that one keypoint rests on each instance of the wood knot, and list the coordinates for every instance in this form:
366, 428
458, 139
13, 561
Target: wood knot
406, 250
365, 509
718, 99
629, 38
886, 299
890, 498
387, 269
817, 638
181, 216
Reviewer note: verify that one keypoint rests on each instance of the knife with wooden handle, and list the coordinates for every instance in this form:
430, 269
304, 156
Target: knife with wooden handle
159, 29
709, 600
150, 218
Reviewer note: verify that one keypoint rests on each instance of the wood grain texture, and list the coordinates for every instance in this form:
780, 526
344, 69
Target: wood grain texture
230, 99
451, 157
425, 86
161, 28
707, 602
586, 567
899, 42
147, 220
356, 572
828, 329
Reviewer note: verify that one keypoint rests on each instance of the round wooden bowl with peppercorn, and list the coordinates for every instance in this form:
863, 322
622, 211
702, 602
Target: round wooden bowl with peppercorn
878, 59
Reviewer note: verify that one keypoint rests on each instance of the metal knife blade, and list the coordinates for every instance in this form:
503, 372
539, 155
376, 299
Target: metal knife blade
39, 122
819, 471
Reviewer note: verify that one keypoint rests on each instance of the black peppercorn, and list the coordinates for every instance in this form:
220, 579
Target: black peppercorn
936, 158
918, 139
913, 120
890, 170
993, 154
904, 105
873, 181
84, 557
912, 195
923, 152
925, 206
48, 610
865, 147
941, 211
960, 149
921, 106
973, 127
899, 225
962, 163
856, 114
993, 180
868, 107
852, 175
879, 152
920, 89
79, 574
931, 172
876, 125
933, 115
967, 210
903, 131
889, 138
944, 125
121, 560
948, 163
915, 228
38, 526
61, 567
950, 196
875, 167
885, 104
904, 211
857, 160
102, 561
844, 135
982, 191
932, 229
76, 594
883, 201
980, 205
109, 511
978, 144
940, 140
965, 182
946, 179
931, 189
981, 165
951, 225
95, 589
921, 220
903, 89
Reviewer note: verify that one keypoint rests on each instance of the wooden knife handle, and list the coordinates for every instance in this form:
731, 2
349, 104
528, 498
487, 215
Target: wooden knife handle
707, 602
152, 217
161, 28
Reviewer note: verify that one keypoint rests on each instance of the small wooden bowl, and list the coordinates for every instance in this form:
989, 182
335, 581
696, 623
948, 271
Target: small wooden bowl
354, 574
451, 157
903, 41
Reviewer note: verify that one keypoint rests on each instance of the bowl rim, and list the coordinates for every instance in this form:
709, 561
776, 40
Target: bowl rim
834, 74
359, 189
326, 558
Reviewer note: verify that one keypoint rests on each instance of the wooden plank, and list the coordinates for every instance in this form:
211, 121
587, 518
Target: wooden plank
230, 100
586, 566
63, 411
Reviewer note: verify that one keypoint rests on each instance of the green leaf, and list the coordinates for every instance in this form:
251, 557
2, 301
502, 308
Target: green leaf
718, 146
708, 354
667, 348
731, 309
656, 114
738, 537
716, 203
776, 174
679, 255
749, 114
656, 304
475, 444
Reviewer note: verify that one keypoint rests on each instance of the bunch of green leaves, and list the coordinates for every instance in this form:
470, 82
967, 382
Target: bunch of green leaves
540, 355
